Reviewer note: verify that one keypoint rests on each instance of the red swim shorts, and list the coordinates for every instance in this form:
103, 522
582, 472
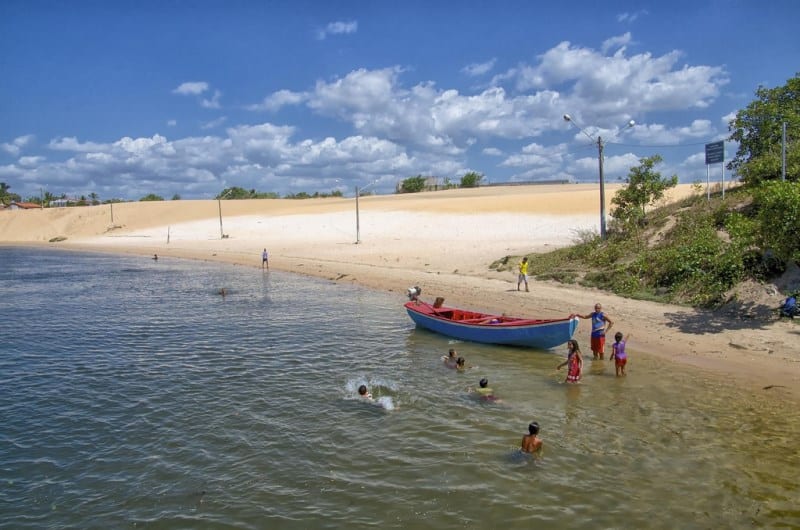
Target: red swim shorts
620, 362
599, 344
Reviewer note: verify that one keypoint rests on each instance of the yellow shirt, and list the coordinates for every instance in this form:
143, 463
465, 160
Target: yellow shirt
523, 268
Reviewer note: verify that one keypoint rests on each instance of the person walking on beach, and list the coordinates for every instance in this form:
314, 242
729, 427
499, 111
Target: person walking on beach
618, 352
531, 443
523, 273
265, 259
574, 362
601, 324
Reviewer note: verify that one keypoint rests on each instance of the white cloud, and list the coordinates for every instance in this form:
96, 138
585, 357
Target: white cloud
214, 123
476, 69
660, 134
492, 151
172, 123
30, 161
610, 86
279, 99
212, 103
337, 28
619, 41
15, 146
72, 144
631, 17
191, 88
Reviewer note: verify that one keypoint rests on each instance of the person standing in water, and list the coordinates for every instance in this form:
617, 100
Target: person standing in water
618, 353
574, 362
531, 443
451, 358
601, 325
265, 259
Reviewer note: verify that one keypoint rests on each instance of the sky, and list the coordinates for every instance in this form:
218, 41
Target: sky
187, 98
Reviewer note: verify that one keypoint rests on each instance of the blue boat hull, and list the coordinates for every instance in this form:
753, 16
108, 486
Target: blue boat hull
542, 334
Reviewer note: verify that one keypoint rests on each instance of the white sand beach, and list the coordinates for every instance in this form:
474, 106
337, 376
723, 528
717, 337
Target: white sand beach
442, 241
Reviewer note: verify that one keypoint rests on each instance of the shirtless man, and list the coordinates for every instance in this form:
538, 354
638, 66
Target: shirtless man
531, 442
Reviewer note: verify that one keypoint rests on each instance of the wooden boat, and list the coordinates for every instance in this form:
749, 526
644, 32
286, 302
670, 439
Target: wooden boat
491, 329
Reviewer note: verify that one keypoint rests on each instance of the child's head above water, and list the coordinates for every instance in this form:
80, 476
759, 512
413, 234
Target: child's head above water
484, 383
533, 428
362, 390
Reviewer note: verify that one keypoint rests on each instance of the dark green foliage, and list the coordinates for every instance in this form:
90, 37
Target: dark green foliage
777, 206
758, 129
644, 188
412, 184
151, 197
691, 252
471, 180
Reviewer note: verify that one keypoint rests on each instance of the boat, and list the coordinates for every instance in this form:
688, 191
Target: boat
487, 328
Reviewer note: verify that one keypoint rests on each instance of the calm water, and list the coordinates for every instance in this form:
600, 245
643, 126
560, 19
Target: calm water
133, 395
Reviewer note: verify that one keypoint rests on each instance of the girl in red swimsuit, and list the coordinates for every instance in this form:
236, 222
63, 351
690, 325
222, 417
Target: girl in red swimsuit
574, 362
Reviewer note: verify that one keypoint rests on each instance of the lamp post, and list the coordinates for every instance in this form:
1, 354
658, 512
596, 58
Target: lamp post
358, 225
783, 152
600, 147
219, 204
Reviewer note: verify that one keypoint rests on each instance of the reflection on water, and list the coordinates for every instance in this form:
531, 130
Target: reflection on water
133, 394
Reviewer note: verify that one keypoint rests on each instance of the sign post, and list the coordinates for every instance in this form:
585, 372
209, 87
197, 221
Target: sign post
715, 154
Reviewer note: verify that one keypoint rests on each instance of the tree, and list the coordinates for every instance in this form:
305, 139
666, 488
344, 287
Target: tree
151, 197
4, 193
471, 180
176, 197
758, 129
412, 184
95, 198
644, 187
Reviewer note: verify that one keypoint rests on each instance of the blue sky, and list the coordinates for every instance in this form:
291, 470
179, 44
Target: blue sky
172, 97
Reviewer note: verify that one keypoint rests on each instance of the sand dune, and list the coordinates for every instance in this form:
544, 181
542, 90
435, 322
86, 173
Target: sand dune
442, 241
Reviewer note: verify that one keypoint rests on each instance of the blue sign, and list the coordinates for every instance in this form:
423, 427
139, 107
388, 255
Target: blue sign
715, 153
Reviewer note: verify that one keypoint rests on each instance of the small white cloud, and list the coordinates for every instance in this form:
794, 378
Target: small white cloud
619, 41
172, 123
212, 103
279, 99
631, 17
14, 147
337, 28
30, 161
476, 69
214, 123
191, 88
492, 151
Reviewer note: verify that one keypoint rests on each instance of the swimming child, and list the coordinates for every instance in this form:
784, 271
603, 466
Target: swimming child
574, 362
618, 353
451, 361
531, 442
486, 393
362, 391
461, 364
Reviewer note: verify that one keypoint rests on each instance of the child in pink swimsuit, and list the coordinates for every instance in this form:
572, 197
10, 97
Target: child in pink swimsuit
619, 356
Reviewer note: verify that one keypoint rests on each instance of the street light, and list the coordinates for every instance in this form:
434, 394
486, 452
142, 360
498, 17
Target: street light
358, 226
219, 204
600, 147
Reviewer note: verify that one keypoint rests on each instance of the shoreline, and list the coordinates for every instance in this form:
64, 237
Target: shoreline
441, 241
